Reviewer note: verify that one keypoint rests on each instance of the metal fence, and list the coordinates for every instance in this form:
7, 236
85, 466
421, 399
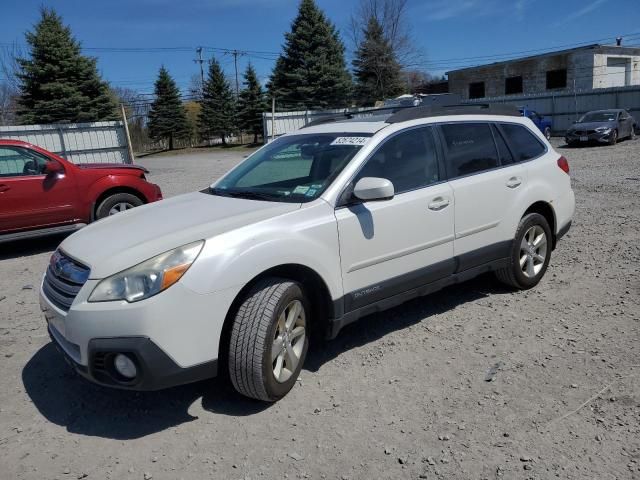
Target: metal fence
98, 142
564, 108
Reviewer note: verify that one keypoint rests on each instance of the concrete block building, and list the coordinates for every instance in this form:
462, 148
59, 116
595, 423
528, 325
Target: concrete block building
582, 68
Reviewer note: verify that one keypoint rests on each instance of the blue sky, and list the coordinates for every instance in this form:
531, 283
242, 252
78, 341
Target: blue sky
449, 32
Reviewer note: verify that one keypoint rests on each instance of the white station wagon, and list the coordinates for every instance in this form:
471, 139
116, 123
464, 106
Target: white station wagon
315, 230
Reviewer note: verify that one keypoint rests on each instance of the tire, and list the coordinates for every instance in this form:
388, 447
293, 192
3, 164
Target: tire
275, 311
523, 276
632, 135
547, 133
117, 203
614, 138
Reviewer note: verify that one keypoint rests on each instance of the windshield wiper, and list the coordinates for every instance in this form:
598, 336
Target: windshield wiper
248, 194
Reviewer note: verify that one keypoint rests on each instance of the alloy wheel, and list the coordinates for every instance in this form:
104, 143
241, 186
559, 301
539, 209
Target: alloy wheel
533, 251
120, 207
288, 341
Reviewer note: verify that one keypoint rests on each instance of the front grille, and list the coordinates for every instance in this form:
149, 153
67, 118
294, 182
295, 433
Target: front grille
63, 280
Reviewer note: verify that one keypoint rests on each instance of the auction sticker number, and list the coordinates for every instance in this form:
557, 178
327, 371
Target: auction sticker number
357, 141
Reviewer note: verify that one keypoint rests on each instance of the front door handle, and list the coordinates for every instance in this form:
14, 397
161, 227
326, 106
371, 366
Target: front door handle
514, 182
438, 203
4, 188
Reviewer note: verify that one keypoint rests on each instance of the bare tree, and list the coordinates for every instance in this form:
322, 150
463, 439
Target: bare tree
392, 15
9, 83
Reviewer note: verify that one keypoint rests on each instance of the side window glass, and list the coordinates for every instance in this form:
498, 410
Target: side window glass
506, 158
525, 144
408, 159
19, 162
470, 148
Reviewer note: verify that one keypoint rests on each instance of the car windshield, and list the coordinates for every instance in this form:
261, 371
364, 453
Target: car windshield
598, 117
295, 168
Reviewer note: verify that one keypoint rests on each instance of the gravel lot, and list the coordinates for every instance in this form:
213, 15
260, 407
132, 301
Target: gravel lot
401, 394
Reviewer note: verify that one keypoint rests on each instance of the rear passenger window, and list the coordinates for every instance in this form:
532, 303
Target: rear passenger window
407, 159
470, 148
506, 158
525, 144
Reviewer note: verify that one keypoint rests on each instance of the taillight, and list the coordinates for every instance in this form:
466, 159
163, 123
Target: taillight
564, 165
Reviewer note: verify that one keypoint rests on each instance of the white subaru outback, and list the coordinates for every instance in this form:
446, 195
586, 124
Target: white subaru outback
313, 231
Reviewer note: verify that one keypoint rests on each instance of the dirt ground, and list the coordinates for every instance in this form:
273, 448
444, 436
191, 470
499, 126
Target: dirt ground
401, 394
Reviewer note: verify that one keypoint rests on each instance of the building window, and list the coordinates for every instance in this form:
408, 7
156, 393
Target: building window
557, 79
476, 90
512, 85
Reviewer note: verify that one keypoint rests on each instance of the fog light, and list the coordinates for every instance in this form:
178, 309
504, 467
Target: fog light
125, 366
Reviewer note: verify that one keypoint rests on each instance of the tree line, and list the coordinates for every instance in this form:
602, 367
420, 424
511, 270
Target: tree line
58, 83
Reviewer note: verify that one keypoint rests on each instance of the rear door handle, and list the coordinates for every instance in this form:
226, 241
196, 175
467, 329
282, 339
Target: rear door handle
514, 182
438, 203
4, 188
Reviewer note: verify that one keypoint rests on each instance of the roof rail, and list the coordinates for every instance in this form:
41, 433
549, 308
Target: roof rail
460, 109
351, 115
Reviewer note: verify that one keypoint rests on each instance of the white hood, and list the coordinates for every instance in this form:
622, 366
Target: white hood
126, 239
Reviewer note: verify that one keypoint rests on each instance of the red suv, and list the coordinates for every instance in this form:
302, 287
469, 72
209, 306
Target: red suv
41, 193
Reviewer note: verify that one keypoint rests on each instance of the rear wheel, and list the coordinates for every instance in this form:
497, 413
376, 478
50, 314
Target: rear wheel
269, 339
530, 253
116, 203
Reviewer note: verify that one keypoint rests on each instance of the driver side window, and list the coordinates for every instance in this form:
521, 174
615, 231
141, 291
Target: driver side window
407, 159
20, 162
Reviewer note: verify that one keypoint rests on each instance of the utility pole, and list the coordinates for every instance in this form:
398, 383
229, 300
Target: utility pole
200, 61
235, 54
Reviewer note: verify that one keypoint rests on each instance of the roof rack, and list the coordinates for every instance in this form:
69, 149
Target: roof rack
441, 110
351, 115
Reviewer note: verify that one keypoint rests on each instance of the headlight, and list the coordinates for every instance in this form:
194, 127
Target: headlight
147, 278
603, 129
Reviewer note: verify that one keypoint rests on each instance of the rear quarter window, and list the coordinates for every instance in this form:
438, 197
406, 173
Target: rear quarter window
524, 144
470, 148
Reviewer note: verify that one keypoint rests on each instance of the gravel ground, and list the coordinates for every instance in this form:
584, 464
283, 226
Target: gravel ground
401, 394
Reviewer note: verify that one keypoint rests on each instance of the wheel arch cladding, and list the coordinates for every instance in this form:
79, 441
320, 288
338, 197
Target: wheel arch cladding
113, 191
546, 210
313, 286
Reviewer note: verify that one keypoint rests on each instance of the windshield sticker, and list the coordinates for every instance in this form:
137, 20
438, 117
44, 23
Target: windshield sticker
357, 141
301, 189
311, 192
316, 185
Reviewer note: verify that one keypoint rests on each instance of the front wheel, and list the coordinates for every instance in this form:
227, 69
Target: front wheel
530, 253
116, 203
269, 339
614, 138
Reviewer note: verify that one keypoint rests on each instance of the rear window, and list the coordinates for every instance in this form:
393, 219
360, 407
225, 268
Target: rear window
525, 145
470, 148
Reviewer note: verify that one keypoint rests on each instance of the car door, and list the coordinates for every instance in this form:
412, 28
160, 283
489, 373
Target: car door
28, 197
391, 246
486, 191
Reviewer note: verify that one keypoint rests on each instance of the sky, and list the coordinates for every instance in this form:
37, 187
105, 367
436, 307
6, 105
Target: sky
133, 38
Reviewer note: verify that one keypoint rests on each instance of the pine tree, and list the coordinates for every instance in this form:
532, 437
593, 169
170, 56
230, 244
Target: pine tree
376, 69
218, 104
57, 82
167, 117
311, 72
251, 104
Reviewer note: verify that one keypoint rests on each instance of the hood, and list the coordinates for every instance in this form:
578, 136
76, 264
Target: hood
128, 238
592, 125
111, 166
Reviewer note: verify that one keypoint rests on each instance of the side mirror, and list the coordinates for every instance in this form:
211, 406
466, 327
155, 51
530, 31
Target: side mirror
373, 188
53, 167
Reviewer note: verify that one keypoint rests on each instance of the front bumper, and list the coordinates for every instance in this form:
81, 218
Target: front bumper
155, 369
172, 338
591, 137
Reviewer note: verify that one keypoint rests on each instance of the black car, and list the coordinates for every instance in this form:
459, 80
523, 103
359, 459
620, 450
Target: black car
602, 126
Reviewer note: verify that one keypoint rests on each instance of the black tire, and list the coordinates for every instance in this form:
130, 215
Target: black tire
632, 135
254, 332
547, 133
116, 199
513, 275
614, 138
